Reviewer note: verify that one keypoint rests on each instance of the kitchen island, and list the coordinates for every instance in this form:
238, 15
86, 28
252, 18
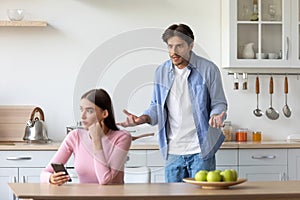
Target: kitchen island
275, 190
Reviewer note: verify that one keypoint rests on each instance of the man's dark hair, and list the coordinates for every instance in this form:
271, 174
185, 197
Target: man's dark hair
181, 30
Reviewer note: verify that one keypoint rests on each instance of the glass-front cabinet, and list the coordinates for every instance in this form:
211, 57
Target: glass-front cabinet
296, 32
260, 33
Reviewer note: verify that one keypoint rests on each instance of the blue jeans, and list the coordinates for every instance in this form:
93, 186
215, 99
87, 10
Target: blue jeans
186, 166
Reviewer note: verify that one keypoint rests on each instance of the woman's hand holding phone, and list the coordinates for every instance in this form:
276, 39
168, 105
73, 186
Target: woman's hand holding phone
60, 175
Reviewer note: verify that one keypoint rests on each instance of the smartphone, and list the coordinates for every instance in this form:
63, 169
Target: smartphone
59, 167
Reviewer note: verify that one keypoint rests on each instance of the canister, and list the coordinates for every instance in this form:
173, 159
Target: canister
256, 136
241, 135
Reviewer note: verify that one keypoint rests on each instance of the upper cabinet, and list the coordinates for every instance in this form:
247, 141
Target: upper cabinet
260, 33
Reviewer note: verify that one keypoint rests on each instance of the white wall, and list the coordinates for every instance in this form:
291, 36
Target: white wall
45, 65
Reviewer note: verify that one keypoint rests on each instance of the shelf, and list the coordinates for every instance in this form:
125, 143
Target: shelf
23, 23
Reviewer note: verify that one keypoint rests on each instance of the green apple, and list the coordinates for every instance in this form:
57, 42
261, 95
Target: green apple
213, 176
227, 175
201, 175
235, 175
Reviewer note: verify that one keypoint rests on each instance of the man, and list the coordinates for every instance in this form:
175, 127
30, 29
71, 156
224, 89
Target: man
189, 106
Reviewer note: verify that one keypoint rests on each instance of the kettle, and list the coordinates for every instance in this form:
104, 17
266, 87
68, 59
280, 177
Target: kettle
35, 130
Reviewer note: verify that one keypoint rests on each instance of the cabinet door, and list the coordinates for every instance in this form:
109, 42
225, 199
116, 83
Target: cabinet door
136, 158
29, 175
25, 158
263, 173
260, 43
157, 174
263, 157
294, 164
227, 157
7, 175
295, 30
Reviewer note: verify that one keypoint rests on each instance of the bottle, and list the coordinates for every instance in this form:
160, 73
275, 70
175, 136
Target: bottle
254, 15
227, 131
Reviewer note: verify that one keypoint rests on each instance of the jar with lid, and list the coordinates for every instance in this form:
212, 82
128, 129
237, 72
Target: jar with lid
227, 131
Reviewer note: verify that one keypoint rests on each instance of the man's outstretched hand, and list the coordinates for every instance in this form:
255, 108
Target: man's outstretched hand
133, 120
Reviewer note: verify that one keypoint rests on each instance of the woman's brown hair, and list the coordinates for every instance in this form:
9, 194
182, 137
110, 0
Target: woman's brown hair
101, 98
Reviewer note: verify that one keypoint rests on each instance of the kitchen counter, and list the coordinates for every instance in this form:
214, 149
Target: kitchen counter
16, 146
266, 190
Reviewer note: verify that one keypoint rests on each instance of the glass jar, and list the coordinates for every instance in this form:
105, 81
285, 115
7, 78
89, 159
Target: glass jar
241, 135
256, 136
227, 131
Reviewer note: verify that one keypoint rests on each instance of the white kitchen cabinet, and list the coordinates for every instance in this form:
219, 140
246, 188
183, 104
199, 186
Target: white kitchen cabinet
295, 23
275, 32
30, 175
21, 166
263, 173
136, 158
158, 174
294, 164
227, 159
151, 159
7, 175
263, 164
157, 166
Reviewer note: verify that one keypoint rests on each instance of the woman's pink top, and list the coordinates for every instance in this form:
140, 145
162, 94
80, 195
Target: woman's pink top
103, 167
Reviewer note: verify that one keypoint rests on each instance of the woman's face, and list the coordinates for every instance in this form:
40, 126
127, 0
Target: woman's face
90, 113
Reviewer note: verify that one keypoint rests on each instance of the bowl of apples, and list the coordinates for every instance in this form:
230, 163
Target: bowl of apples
215, 179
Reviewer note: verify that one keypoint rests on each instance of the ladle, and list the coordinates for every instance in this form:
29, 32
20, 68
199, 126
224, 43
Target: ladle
286, 109
257, 112
271, 112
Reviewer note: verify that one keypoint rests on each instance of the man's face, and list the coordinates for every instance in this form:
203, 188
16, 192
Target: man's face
179, 51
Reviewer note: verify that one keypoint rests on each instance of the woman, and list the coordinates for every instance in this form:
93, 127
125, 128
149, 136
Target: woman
100, 149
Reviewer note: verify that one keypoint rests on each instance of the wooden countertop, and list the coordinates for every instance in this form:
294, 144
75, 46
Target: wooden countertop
278, 190
53, 146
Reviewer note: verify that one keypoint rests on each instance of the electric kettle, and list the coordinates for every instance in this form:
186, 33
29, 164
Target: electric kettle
35, 130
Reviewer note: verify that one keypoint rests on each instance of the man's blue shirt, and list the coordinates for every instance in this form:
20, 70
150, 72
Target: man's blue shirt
207, 98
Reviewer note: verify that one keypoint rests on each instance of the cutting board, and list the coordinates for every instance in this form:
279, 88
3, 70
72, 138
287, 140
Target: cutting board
13, 120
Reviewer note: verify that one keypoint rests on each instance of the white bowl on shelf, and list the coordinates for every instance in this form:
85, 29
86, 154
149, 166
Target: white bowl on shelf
273, 55
262, 55
15, 14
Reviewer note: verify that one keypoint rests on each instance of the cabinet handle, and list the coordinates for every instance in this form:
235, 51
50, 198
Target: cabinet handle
19, 158
283, 177
263, 157
24, 179
287, 48
14, 181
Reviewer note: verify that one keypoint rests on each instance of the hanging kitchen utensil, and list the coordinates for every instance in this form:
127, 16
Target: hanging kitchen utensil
271, 112
257, 112
286, 109
35, 130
